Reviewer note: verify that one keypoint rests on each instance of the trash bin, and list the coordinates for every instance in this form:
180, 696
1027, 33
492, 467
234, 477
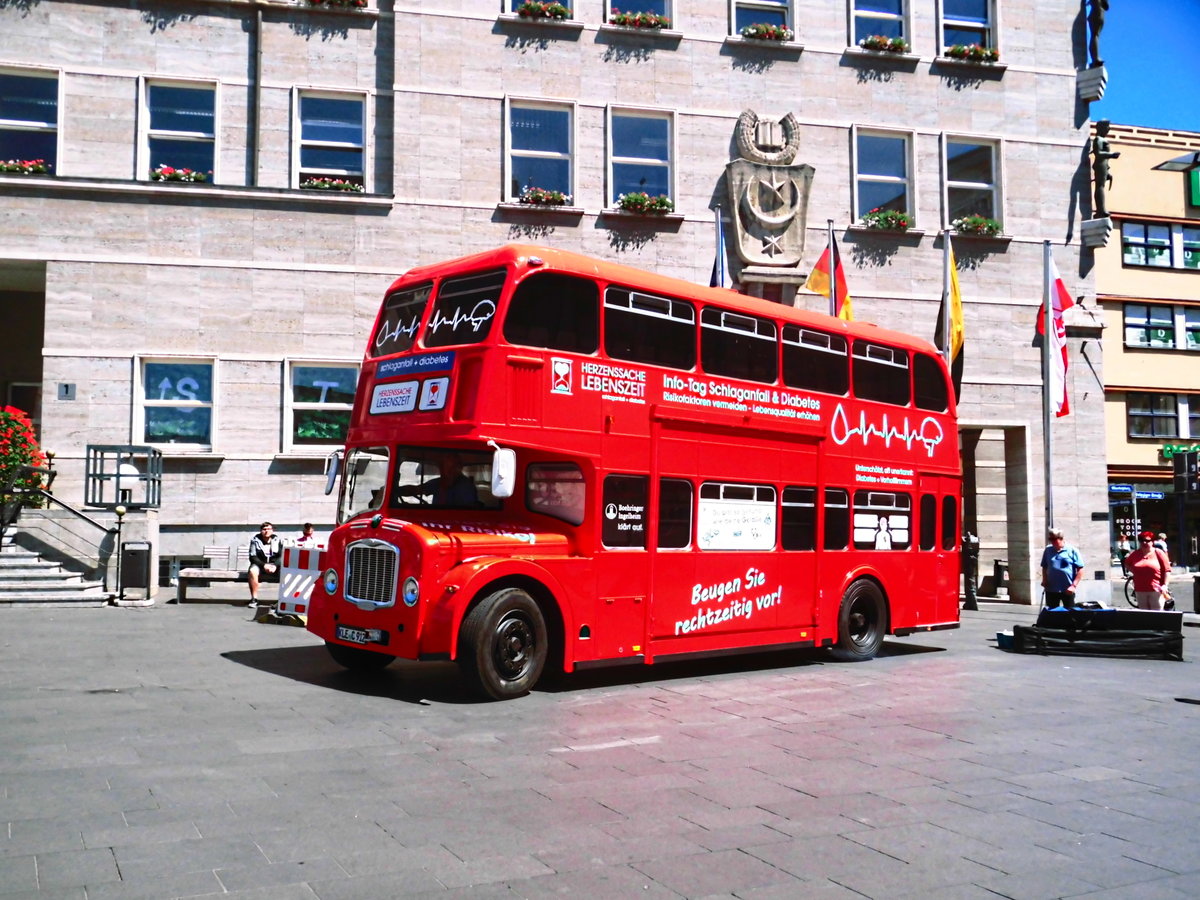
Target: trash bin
1000, 576
135, 565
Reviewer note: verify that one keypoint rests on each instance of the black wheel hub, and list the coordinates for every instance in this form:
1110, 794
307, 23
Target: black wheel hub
513, 646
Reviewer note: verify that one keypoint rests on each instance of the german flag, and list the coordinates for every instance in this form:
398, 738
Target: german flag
819, 282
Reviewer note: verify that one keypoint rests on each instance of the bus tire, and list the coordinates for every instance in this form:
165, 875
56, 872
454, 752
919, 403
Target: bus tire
357, 660
862, 622
503, 644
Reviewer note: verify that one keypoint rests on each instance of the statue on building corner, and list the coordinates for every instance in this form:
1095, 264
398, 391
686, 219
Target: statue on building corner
1095, 19
1101, 154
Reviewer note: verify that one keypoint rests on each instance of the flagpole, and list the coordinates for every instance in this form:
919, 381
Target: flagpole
947, 312
833, 286
1047, 439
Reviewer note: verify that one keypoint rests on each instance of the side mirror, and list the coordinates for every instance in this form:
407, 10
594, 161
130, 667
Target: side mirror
504, 472
333, 465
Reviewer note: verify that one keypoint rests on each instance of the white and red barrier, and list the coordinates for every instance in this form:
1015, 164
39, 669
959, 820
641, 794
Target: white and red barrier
297, 577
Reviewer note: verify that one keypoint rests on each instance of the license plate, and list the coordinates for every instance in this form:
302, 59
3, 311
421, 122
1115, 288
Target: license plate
359, 635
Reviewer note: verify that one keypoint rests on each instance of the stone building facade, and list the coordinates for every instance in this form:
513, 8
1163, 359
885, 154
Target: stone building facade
218, 320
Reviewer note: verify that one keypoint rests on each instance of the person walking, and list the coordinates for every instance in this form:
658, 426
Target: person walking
1151, 571
1062, 570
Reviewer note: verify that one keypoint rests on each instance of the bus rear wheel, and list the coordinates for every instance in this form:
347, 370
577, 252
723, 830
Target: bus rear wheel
357, 660
862, 622
503, 646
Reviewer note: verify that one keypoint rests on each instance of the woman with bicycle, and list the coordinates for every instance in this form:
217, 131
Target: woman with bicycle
1151, 570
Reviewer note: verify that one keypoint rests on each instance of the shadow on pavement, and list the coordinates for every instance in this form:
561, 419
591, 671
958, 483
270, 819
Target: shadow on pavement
423, 683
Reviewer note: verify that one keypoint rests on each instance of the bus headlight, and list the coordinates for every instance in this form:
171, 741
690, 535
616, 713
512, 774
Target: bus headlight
330, 580
412, 591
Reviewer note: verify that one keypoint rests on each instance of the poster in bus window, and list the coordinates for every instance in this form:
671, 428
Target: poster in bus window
397, 397
433, 393
734, 517
624, 510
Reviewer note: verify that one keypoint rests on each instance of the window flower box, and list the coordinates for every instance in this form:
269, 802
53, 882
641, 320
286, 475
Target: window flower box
764, 32
536, 196
644, 20
642, 204
880, 219
24, 167
170, 173
339, 4
543, 9
975, 53
881, 44
978, 226
331, 184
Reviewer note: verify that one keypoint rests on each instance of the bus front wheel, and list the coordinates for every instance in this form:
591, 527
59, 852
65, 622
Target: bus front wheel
357, 660
862, 622
503, 644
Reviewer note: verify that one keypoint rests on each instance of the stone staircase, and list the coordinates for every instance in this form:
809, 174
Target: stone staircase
28, 580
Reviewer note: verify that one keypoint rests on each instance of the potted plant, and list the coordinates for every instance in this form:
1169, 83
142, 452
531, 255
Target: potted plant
25, 167
881, 219
643, 204
536, 196
331, 184
638, 19
973, 53
170, 173
883, 44
353, 4
976, 224
543, 9
763, 32
19, 448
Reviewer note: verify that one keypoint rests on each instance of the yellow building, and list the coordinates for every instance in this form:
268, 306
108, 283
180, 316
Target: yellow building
1148, 284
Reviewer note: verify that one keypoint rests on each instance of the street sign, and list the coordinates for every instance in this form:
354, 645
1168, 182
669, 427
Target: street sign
1151, 495
1120, 488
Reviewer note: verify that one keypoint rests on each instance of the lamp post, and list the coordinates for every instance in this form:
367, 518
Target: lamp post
120, 511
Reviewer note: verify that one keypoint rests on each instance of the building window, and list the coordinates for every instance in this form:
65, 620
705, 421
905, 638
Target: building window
1146, 245
967, 22
332, 144
1149, 326
541, 147
1191, 327
1153, 415
320, 397
971, 182
761, 12
882, 17
1191, 246
881, 176
640, 154
177, 402
29, 117
181, 133
656, 7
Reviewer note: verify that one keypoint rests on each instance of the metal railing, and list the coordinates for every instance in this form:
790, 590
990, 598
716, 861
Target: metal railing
20, 498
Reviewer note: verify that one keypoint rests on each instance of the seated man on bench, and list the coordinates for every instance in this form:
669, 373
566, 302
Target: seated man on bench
266, 553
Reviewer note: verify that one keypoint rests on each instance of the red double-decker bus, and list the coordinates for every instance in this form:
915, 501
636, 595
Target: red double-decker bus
559, 461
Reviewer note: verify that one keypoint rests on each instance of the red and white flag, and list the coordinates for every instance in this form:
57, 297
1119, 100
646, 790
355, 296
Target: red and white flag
1060, 301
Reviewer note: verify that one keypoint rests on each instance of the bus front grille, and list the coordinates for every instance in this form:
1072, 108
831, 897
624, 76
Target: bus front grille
371, 572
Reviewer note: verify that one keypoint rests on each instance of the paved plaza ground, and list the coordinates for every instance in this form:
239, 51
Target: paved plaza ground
187, 752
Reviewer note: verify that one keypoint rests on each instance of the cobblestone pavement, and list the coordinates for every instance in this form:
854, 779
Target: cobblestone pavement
185, 752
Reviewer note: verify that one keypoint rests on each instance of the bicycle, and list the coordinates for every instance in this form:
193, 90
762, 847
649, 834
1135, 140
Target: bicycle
1129, 598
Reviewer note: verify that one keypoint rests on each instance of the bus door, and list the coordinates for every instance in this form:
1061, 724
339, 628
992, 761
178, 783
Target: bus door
623, 567
935, 583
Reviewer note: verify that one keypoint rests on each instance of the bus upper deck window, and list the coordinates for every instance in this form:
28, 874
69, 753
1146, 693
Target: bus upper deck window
929, 384
559, 312
815, 361
881, 373
738, 346
464, 309
643, 328
401, 317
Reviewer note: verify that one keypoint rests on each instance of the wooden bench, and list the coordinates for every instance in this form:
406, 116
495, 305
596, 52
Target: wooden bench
223, 564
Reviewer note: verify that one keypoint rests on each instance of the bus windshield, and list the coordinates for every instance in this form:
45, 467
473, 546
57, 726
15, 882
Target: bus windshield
443, 478
362, 488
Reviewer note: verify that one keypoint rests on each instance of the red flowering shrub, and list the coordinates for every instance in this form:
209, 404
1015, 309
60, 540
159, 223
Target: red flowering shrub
18, 447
